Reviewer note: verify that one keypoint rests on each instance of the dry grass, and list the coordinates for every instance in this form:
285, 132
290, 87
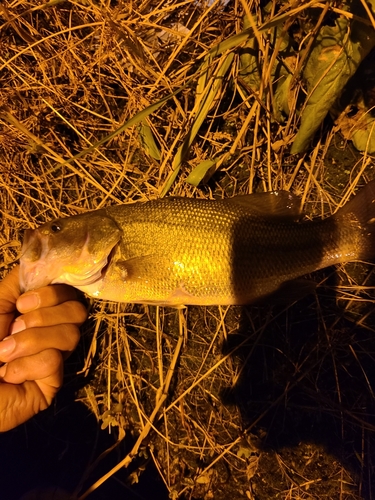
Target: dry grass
258, 403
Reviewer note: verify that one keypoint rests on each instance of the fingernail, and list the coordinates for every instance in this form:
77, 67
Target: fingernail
28, 302
7, 346
17, 326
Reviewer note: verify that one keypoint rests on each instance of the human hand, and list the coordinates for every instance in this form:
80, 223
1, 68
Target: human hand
34, 346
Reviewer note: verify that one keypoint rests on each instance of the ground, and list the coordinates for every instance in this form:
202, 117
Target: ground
114, 102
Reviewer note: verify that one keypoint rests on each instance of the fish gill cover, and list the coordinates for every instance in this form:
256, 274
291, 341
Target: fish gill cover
110, 102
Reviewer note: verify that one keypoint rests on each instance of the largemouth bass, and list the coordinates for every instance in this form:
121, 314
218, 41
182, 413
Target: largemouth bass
182, 251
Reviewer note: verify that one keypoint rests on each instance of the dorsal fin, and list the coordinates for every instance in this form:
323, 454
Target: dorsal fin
270, 204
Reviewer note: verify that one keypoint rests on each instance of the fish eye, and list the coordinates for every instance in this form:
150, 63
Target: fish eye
55, 228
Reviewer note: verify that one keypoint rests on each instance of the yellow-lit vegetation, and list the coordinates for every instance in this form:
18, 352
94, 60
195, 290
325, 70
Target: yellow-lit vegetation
105, 102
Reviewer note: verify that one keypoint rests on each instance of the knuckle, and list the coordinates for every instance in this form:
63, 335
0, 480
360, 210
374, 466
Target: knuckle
78, 312
15, 369
50, 359
82, 312
57, 294
71, 335
34, 318
48, 295
63, 293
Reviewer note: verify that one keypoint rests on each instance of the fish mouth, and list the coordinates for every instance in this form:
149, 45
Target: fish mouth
32, 262
91, 274
39, 267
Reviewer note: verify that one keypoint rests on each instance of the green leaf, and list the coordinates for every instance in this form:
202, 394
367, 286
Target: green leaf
335, 57
203, 103
148, 141
249, 68
202, 172
281, 99
363, 135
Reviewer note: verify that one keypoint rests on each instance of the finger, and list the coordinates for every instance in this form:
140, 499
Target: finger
47, 296
9, 288
68, 312
44, 365
64, 337
9, 292
19, 402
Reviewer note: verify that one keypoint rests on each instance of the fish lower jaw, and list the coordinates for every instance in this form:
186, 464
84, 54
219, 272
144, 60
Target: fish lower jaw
92, 289
78, 277
78, 281
33, 276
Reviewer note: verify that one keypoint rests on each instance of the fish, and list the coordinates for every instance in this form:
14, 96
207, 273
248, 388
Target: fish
187, 251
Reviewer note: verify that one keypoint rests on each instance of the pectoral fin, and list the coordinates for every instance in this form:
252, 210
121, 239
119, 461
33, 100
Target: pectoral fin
143, 268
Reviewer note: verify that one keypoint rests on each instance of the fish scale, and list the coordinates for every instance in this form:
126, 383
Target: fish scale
183, 251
